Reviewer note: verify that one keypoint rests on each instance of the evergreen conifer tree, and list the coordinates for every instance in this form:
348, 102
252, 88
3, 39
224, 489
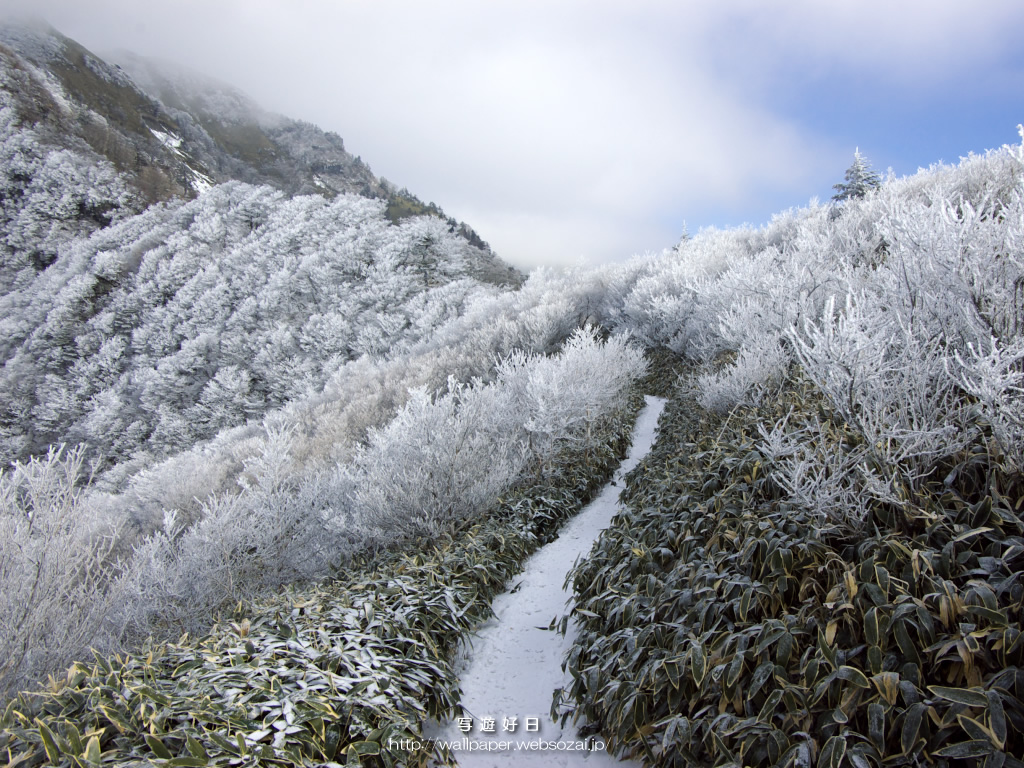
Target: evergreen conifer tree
860, 178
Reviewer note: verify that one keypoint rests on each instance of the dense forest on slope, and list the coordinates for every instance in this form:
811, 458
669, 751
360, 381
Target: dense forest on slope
337, 430
192, 317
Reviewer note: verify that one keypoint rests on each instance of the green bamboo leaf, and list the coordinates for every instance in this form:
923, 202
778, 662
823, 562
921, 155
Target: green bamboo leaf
784, 649
195, 748
826, 649
223, 742
854, 676
822, 688
832, 753
745, 600
811, 672
965, 749
733, 672
997, 718
698, 663
49, 742
872, 632
875, 594
158, 747
882, 579
978, 730
92, 751
911, 727
721, 748
76, 674
671, 667
997, 618
73, 738
768, 710
761, 675
858, 759
973, 532
797, 755
115, 718
967, 697
187, 762
876, 726
147, 692
875, 659
905, 643
361, 748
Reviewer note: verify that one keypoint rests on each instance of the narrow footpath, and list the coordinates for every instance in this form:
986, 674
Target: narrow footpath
514, 665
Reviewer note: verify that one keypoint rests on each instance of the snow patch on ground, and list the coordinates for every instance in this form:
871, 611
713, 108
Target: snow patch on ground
200, 181
514, 664
169, 140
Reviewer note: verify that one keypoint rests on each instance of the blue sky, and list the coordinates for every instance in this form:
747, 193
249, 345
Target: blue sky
584, 131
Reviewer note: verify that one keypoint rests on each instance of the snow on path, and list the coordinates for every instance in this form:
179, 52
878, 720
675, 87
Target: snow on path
514, 664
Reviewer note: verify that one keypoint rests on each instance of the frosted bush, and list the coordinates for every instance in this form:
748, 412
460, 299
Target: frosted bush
562, 398
53, 568
277, 530
445, 458
757, 370
820, 472
666, 295
994, 375
887, 382
440, 461
902, 308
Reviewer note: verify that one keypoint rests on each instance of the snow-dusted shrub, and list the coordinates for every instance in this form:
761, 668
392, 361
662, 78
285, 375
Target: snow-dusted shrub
994, 376
53, 567
742, 623
757, 369
904, 309
444, 459
824, 469
300, 658
562, 398
439, 461
661, 306
166, 327
326, 427
279, 529
888, 382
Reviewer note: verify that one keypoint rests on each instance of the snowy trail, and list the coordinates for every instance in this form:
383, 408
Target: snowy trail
514, 664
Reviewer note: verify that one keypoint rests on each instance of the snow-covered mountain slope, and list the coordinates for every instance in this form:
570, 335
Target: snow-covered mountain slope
139, 227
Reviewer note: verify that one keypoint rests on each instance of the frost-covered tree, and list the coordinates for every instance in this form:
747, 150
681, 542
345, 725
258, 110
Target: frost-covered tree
860, 179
